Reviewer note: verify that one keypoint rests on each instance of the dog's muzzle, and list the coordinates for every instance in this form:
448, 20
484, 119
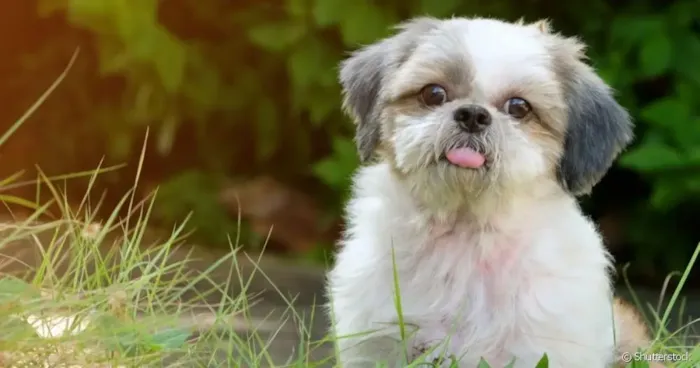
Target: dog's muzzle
472, 120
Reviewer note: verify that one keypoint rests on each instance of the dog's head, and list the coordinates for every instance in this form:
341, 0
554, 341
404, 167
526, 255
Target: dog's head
472, 105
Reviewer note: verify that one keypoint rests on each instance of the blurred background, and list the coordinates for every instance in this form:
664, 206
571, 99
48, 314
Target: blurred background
241, 97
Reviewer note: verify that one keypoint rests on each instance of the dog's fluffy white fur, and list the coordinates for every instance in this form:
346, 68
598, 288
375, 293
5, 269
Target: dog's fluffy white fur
496, 262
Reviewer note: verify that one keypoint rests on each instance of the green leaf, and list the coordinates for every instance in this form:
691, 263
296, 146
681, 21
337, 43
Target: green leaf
304, 63
673, 116
682, 13
324, 105
687, 136
687, 54
90, 15
544, 362
170, 339
655, 55
613, 68
114, 58
669, 191
170, 60
128, 25
296, 8
346, 150
328, 12
277, 37
652, 157
141, 11
12, 289
336, 170
204, 87
87, 8
694, 356
693, 155
363, 23
667, 112
327, 77
483, 364
631, 30
154, 45
19, 201
328, 171
639, 364
453, 361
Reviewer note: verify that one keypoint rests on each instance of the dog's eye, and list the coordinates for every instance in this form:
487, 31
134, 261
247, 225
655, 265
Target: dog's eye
433, 95
517, 108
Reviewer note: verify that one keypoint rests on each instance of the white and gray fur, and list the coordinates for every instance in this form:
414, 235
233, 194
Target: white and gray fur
594, 118
495, 262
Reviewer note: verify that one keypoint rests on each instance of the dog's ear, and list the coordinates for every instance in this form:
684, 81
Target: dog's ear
598, 129
364, 72
361, 80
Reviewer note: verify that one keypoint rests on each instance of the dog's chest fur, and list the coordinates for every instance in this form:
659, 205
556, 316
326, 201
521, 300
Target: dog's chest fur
533, 281
480, 282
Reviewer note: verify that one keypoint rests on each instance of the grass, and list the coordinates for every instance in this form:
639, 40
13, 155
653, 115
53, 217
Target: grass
79, 292
89, 304
667, 341
76, 292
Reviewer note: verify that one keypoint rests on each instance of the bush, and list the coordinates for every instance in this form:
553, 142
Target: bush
240, 88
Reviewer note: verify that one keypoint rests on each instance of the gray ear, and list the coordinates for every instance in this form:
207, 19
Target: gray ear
598, 130
362, 76
361, 79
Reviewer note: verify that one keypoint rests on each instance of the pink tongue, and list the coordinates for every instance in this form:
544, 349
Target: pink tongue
465, 157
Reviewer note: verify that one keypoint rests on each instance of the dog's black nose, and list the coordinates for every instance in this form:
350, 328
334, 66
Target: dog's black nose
472, 118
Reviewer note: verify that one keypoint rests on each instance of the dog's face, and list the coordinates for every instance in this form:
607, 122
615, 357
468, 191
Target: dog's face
464, 106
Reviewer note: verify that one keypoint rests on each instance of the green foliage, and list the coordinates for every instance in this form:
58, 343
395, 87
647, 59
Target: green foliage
13, 293
13, 290
638, 364
336, 170
667, 150
194, 192
252, 86
131, 341
543, 363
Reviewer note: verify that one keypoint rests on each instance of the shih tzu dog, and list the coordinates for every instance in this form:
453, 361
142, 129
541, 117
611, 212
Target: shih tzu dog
464, 239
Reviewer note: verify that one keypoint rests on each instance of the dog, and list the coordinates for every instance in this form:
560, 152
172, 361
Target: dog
464, 239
